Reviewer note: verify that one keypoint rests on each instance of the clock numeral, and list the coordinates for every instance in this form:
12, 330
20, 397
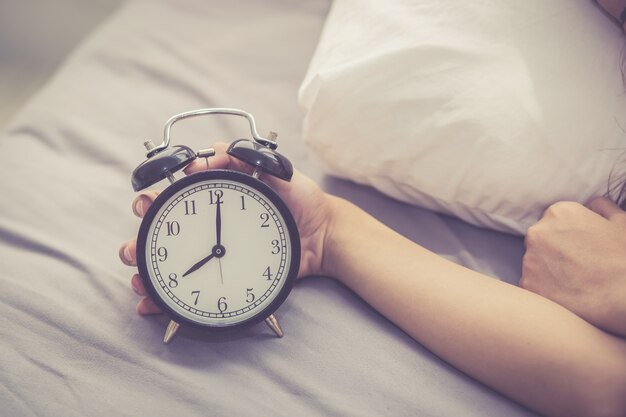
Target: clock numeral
249, 295
190, 207
162, 252
215, 196
268, 274
266, 218
221, 304
173, 228
197, 294
173, 281
275, 247
243, 203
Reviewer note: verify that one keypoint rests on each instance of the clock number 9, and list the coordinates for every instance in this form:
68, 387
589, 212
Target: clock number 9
221, 304
162, 252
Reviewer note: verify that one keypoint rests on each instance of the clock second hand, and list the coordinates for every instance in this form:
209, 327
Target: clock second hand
219, 260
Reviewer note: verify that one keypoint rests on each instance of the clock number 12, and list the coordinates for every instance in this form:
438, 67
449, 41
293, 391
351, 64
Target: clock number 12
215, 196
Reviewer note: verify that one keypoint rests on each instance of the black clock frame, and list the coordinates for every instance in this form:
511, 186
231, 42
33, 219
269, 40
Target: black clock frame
219, 174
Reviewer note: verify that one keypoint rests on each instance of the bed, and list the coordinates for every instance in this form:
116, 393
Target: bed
71, 343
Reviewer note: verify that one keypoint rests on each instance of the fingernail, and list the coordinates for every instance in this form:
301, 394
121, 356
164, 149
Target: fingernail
126, 253
139, 205
133, 284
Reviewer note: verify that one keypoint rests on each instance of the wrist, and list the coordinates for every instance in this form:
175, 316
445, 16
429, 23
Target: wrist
616, 311
334, 235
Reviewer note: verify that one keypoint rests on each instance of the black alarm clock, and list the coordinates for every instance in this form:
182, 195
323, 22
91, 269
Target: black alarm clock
217, 249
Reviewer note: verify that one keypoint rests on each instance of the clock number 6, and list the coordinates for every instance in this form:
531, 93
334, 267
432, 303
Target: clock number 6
221, 304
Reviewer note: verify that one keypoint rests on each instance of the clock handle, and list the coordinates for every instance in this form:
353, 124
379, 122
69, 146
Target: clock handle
270, 143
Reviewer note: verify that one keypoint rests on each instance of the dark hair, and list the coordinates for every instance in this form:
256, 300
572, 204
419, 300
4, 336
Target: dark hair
616, 190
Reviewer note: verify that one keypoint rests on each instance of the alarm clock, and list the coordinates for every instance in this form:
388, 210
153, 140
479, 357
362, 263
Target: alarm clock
217, 249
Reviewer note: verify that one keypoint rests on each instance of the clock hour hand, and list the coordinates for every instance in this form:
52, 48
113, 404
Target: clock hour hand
199, 264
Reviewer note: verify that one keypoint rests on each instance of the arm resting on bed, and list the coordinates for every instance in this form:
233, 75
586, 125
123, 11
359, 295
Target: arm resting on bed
517, 342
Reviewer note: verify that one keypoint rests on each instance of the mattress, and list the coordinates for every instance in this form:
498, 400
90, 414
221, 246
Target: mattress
71, 343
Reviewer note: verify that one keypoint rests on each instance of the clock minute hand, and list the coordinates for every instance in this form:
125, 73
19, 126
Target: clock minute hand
199, 264
218, 222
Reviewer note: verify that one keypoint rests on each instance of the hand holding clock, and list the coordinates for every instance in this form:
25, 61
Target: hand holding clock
308, 204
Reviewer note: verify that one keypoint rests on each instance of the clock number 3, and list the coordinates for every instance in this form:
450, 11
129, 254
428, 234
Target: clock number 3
275, 247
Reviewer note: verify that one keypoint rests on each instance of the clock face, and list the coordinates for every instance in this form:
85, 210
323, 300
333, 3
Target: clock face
218, 249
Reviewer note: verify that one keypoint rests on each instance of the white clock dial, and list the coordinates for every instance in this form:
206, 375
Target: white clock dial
218, 252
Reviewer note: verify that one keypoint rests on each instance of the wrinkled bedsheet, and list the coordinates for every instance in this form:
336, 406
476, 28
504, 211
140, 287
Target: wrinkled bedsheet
70, 341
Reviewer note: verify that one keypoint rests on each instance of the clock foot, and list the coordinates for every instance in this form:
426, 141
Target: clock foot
170, 332
273, 324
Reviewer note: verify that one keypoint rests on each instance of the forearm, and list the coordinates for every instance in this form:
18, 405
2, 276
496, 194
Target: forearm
520, 344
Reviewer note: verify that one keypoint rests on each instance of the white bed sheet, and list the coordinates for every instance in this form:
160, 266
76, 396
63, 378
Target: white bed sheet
70, 341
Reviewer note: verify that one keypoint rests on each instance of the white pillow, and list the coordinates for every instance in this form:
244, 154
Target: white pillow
489, 111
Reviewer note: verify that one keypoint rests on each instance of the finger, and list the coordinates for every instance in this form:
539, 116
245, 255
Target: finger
143, 201
128, 253
146, 306
137, 285
221, 160
605, 208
